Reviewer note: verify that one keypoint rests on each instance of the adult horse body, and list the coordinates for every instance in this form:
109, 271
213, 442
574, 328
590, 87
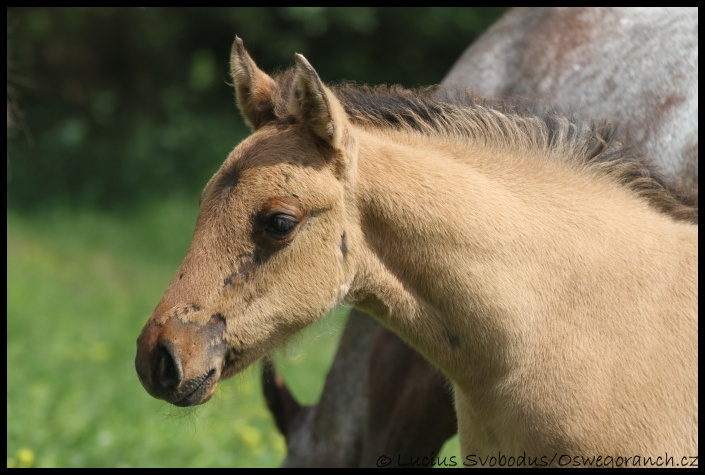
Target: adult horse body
636, 66
437, 218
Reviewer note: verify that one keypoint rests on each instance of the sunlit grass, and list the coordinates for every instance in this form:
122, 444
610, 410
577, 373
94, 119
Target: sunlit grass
80, 287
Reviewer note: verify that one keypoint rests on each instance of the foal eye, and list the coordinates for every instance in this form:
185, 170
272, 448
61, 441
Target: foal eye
278, 220
280, 225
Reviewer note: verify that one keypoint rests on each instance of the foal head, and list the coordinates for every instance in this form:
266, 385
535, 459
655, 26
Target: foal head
270, 253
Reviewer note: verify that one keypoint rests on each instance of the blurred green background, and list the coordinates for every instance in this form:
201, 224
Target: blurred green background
117, 117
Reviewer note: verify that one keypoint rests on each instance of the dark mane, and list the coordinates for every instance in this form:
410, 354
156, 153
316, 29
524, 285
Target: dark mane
517, 123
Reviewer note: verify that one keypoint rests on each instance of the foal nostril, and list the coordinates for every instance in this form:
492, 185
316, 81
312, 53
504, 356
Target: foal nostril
168, 372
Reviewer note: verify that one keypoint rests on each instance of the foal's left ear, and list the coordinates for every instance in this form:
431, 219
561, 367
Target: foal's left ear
316, 106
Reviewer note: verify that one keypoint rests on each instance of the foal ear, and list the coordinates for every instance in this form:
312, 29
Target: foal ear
315, 105
254, 89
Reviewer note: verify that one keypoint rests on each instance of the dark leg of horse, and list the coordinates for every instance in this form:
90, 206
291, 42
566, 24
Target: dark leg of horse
410, 414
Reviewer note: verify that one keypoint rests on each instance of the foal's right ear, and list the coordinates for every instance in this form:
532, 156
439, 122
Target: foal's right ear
254, 88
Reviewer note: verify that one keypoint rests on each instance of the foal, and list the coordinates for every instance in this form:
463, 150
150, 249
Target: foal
437, 219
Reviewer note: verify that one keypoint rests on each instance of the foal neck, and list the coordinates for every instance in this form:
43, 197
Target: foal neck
466, 248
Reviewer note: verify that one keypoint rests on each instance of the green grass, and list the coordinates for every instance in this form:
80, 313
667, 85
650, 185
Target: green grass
81, 285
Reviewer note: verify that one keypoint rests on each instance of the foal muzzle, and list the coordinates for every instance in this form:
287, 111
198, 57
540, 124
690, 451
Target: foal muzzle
179, 361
